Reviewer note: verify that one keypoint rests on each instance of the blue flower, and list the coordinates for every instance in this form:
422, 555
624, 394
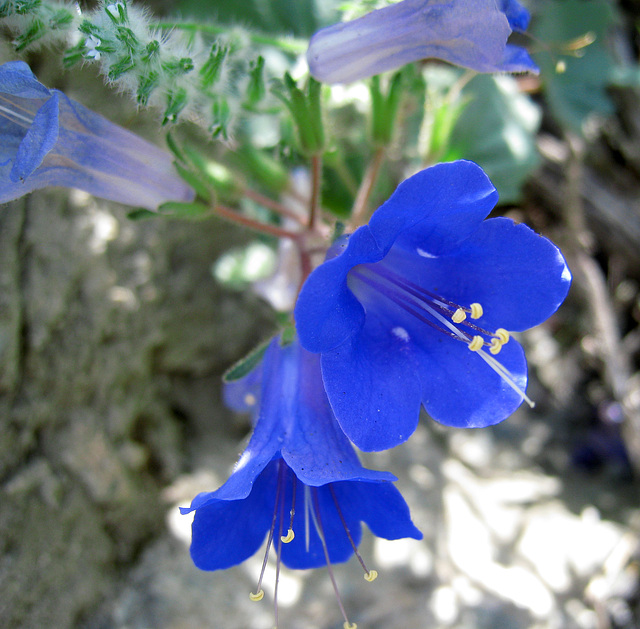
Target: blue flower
299, 482
468, 33
46, 139
397, 307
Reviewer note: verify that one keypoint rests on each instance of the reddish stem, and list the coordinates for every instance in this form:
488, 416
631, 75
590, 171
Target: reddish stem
360, 206
274, 206
234, 217
316, 185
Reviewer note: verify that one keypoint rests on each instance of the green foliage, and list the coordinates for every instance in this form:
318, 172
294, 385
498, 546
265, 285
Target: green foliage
497, 128
246, 365
575, 72
384, 107
305, 109
300, 18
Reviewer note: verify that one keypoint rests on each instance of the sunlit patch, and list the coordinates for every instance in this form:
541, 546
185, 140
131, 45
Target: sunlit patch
400, 333
424, 254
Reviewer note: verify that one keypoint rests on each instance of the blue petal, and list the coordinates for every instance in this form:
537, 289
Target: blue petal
315, 447
517, 15
470, 33
17, 79
435, 209
327, 312
38, 141
343, 506
518, 276
296, 419
461, 390
373, 386
106, 156
517, 59
380, 506
226, 532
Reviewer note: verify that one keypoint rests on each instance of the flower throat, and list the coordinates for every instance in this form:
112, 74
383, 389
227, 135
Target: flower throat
451, 319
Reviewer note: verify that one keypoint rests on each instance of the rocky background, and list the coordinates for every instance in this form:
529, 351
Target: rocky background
113, 337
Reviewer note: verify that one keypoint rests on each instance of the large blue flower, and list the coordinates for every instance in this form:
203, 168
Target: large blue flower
299, 479
468, 33
46, 139
397, 307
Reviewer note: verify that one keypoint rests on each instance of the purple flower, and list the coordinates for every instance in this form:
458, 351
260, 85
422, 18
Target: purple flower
414, 308
299, 482
47, 139
468, 33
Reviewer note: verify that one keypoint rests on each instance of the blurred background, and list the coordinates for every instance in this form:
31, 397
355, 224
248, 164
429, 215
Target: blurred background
114, 335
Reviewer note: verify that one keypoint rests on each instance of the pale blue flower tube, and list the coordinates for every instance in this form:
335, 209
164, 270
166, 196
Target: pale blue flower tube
47, 139
468, 33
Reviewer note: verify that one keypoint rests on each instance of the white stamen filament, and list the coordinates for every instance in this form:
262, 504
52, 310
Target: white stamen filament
15, 114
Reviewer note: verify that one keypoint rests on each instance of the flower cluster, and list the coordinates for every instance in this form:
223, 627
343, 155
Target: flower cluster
415, 309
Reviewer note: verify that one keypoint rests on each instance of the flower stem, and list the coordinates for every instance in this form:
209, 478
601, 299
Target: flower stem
316, 187
272, 205
264, 228
360, 206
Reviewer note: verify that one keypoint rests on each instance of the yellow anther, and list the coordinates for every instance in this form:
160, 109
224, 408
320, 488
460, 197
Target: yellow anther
459, 316
496, 346
476, 344
250, 399
288, 537
349, 625
476, 310
370, 576
502, 335
258, 596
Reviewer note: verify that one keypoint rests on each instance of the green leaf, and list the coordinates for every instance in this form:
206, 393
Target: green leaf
141, 214
247, 364
298, 17
195, 180
497, 129
578, 91
176, 209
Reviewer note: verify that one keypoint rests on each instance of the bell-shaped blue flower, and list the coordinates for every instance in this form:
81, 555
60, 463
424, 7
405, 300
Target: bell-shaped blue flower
299, 482
468, 33
416, 308
47, 139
